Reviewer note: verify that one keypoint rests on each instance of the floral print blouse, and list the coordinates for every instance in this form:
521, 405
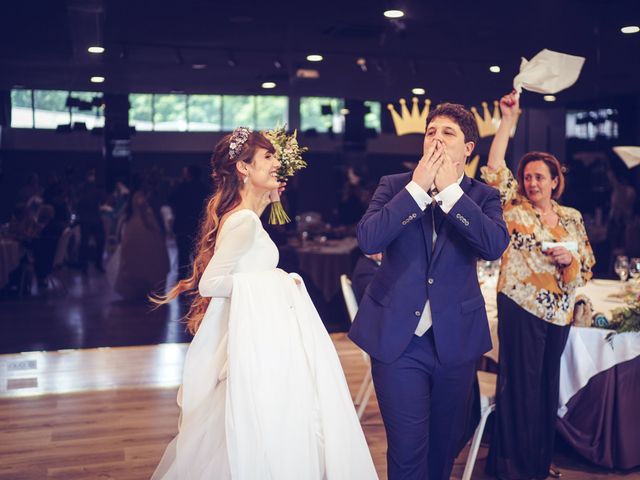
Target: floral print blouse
528, 276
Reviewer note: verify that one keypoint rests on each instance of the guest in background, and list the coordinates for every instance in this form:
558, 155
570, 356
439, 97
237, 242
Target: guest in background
90, 197
187, 202
536, 294
44, 245
366, 267
623, 198
144, 261
355, 196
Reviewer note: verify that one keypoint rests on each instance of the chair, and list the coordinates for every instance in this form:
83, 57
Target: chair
366, 386
487, 382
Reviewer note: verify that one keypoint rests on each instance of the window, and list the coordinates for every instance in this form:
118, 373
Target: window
321, 114
204, 113
50, 108
170, 112
271, 111
141, 111
91, 113
21, 109
372, 119
590, 124
238, 111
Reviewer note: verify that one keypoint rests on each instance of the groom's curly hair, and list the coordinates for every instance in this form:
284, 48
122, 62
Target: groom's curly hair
461, 116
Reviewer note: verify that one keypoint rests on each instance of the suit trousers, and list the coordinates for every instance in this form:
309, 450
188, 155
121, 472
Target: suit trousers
423, 405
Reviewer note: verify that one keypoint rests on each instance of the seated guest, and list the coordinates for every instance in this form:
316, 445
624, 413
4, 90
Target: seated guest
536, 294
366, 267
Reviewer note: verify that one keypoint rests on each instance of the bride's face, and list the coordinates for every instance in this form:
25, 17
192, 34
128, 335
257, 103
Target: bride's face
262, 170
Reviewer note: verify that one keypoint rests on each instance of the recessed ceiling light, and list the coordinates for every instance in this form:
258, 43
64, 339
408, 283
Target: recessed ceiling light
315, 58
97, 79
494, 69
344, 111
268, 84
394, 13
199, 66
549, 98
95, 49
630, 29
418, 91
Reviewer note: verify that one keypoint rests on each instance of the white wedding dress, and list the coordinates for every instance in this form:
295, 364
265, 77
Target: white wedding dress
263, 393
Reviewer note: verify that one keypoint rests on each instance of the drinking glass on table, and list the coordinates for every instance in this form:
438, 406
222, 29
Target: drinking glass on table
622, 267
634, 268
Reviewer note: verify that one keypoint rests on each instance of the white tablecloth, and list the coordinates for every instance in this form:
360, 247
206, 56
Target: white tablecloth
587, 353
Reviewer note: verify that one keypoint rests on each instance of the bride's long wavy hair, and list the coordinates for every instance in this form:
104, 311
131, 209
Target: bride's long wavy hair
227, 183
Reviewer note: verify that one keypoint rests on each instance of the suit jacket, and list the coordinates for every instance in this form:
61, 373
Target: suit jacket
411, 272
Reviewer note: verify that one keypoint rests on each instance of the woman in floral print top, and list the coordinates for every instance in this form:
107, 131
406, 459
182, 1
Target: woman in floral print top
536, 294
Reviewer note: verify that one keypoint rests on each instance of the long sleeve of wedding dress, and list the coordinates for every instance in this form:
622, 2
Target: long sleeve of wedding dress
235, 239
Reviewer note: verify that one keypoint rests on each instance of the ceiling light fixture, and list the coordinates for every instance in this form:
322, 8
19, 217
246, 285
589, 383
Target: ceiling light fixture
362, 63
549, 98
97, 79
95, 49
199, 66
418, 91
268, 85
494, 69
315, 57
344, 111
394, 13
630, 29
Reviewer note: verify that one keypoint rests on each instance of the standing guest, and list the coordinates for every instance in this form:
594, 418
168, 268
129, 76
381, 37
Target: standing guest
90, 197
144, 261
422, 318
187, 202
536, 294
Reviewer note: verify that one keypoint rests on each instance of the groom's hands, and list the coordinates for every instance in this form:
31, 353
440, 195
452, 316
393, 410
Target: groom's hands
427, 169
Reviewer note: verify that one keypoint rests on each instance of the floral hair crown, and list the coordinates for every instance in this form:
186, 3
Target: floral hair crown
238, 138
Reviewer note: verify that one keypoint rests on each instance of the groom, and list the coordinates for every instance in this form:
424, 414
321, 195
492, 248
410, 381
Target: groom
422, 318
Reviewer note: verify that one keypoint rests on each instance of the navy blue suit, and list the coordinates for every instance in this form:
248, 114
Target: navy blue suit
423, 383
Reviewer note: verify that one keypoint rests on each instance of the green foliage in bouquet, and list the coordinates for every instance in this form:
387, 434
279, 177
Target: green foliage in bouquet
625, 319
289, 154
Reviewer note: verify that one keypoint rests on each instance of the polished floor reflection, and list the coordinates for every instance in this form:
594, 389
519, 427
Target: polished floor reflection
84, 313
109, 413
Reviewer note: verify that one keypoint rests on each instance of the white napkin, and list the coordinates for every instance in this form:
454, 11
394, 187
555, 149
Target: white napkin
629, 155
548, 72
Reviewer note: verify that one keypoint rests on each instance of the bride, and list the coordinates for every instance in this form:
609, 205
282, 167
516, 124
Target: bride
263, 394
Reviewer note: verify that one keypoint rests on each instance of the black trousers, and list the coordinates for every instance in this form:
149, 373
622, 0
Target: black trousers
527, 393
88, 230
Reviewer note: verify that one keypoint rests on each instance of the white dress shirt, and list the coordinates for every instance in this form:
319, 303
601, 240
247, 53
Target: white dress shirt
447, 198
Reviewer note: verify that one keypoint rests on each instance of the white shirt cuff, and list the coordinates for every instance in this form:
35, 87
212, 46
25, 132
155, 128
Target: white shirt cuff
448, 197
422, 198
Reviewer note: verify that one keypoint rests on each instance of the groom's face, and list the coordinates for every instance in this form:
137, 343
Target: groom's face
447, 131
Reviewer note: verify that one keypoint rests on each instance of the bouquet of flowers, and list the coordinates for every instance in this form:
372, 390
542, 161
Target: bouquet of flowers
289, 154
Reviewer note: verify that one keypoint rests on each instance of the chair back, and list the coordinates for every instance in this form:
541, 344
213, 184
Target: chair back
349, 297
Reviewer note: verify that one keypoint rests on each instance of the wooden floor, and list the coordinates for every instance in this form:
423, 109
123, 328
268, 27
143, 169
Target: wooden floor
108, 413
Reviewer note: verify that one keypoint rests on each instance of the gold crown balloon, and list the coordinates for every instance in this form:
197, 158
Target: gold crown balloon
414, 120
410, 122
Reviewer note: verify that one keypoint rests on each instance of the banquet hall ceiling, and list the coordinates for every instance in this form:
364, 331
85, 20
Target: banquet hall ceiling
444, 47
